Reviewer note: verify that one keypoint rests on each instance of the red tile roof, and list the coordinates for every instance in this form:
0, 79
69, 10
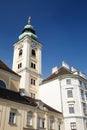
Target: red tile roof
3, 66
61, 71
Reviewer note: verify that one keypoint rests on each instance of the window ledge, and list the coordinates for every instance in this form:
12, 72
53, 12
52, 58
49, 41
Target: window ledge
12, 124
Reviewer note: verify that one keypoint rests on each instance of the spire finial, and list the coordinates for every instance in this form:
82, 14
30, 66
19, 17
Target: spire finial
29, 20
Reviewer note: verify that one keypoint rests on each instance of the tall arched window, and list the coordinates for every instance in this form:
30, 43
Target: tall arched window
33, 53
20, 52
2, 84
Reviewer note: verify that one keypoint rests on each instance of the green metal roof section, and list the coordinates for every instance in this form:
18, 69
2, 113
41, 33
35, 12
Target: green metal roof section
28, 30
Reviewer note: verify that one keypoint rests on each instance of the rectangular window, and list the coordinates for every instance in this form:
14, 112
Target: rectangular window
32, 81
41, 123
19, 65
29, 119
33, 65
69, 93
82, 95
85, 109
73, 125
80, 83
12, 116
86, 95
68, 81
59, 126
51, 124
71, 108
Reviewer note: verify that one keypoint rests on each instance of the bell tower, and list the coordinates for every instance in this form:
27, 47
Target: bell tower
27, 61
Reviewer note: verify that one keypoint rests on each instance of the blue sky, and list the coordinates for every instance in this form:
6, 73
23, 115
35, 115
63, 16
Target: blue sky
61, 25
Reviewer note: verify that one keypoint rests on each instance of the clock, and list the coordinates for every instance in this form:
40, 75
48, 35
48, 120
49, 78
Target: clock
34, 45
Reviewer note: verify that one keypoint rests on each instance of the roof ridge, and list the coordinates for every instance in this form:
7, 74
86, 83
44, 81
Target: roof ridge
61, 71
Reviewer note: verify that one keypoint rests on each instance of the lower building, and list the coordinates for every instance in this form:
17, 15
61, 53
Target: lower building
20, 112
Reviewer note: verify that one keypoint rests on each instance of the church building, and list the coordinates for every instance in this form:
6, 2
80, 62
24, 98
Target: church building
20, 106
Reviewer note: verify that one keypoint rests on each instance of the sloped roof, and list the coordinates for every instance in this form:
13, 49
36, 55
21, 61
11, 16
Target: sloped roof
3, 66
14, 96
17, 97
61, 71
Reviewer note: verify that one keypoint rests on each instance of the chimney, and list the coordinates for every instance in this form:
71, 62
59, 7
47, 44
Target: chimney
64, 64
82, 74
54, 69
73, 69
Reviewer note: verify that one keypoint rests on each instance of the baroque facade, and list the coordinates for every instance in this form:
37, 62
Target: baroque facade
20, 107
66, 90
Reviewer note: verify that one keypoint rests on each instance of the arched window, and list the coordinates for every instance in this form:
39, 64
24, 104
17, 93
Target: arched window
2, 84
33, 53
20, 52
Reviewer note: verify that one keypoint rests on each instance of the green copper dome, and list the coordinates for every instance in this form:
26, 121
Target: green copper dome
28, 30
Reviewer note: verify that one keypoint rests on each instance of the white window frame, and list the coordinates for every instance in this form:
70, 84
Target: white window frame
68, 81
73, 125
29, 118
51, 123
71, 108
13, 116
59, 125
69, 93
41, 122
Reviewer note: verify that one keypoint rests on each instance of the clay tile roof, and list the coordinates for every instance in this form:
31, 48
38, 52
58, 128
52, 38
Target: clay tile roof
15, 96
3, 66
60, 71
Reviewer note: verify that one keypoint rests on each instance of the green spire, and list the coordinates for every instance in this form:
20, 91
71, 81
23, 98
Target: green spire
28, 30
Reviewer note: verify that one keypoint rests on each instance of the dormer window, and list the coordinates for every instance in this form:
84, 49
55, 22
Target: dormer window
20, 52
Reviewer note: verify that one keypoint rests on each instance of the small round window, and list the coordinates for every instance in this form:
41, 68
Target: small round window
2, 84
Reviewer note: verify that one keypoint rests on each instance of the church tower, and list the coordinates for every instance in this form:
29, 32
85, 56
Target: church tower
27, 61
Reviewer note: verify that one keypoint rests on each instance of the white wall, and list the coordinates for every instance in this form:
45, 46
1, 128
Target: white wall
50, 94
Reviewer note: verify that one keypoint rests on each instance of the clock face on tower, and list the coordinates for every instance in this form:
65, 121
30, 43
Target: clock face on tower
34, 45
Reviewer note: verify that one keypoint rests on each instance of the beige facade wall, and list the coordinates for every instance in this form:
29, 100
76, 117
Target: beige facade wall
12, 81
21, 117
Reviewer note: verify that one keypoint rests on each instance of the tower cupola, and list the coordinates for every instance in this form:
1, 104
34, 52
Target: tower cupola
28, 30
